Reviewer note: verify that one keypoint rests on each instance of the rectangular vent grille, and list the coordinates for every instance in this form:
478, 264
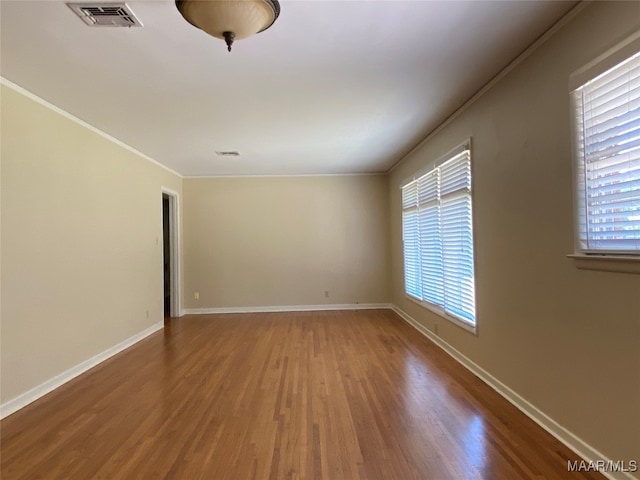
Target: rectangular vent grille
105, 14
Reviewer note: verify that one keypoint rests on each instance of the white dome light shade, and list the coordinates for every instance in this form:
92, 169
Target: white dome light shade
230, 19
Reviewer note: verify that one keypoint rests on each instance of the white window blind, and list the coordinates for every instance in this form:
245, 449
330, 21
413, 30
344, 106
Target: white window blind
411, 240
607, 124
438, 237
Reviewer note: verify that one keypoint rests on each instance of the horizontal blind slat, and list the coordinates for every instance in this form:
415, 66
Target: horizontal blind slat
623, 68
611, 127
616, 93
410, 195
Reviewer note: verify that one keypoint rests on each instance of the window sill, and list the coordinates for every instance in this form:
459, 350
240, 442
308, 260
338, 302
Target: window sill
439, 311
607, 263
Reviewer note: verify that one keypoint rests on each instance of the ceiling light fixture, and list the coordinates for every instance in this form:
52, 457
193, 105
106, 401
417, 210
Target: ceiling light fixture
230, 19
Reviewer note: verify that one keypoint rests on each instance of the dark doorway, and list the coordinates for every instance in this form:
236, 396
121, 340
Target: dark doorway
166, 248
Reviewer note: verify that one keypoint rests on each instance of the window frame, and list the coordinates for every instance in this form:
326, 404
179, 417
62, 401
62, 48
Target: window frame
437, 309
595, 259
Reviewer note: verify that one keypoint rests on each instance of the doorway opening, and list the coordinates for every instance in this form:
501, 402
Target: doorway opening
170, 254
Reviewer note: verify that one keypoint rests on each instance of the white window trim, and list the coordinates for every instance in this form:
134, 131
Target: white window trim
465, 325
606, 61
607, 263
603, 261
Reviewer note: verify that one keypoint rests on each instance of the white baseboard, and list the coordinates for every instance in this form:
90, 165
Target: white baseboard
35, 393
579, 446
288, 308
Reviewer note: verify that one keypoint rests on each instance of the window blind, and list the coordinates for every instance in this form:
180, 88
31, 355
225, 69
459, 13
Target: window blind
607, 121
411, 240
438, 237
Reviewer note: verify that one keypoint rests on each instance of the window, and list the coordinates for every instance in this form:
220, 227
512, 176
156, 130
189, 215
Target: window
437, 235
607, 146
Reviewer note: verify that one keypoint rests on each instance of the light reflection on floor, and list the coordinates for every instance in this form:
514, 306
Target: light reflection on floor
459, 426
474, 446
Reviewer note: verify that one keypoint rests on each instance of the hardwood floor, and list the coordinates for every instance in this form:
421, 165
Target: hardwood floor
312, 395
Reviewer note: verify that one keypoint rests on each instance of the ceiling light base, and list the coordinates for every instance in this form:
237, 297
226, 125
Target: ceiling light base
229, 37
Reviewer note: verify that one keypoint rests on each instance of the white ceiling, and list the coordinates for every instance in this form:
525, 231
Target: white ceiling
331, 87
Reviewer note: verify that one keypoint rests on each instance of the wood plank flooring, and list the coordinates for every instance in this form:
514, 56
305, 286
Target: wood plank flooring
312, 395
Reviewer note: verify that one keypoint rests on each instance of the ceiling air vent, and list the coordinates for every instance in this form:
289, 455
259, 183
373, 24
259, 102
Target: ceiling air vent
228, 154
105, 14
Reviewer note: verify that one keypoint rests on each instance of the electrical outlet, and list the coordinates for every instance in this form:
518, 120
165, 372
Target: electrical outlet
196, 295
147, 313
326, 294
435, 328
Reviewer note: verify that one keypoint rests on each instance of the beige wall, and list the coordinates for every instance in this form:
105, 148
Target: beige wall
80, 263
567, 340
279, 241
